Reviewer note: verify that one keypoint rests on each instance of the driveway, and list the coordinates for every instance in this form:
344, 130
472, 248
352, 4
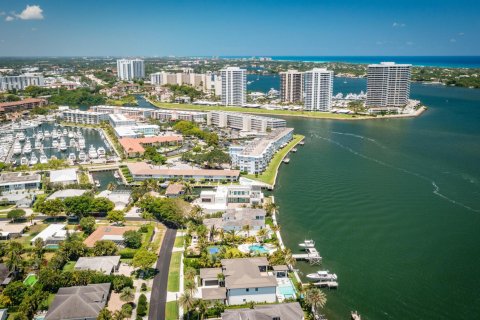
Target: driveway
158, 296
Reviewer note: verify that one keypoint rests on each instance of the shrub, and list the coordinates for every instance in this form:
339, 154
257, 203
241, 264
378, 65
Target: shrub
127, 253
142, 305
127, 309
132, 239
144, 287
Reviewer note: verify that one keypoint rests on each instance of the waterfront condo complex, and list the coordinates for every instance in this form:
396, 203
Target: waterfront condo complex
21, 82
234, 86
318, 90
388, 84
291, 86
130, 69
244, 122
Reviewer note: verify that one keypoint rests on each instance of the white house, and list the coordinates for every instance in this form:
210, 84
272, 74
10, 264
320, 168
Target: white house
53, 234
220, 198
64, 176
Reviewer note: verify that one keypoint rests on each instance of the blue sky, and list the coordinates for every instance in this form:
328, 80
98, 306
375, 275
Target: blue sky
242, 27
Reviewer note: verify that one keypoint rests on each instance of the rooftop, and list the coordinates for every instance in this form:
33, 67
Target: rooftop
53, 230
283, 311
142, 168
21, 102
104, 264
62, 194
174, 189
64, 175
18, 177
245, 273
135, 144
104, 232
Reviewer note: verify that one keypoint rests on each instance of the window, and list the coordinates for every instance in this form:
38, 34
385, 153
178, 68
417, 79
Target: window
247, 290
256, 289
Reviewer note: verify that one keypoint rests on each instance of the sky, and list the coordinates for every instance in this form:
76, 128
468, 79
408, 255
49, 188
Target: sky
239, 28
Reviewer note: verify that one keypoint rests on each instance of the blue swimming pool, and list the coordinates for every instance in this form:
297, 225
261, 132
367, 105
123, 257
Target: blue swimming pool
213, 250
287, 290
258, 249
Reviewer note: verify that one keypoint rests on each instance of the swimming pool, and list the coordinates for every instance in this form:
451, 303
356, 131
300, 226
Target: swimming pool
258, 249
30, 280
52, 246
213, 250
287, 290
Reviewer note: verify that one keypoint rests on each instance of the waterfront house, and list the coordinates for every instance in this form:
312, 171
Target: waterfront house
283, 311
174, 190
245, 280
104, 264
66, 193
237, 219
14, 181
79, 302
64, 176
224, 197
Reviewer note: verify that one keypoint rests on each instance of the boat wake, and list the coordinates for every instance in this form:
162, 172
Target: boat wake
359, 137
436, 188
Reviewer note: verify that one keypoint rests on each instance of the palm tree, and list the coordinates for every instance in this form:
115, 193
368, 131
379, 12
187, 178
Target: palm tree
271, 207
195, 213
186, 301
275, 228
213, 232
191, 286
289, 259
232, 234
32, 217
190, 274
262, 234
188, 187
247, 229
316, 298
127, 294
14, 255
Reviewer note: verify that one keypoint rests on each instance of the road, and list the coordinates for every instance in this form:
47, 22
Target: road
158, 298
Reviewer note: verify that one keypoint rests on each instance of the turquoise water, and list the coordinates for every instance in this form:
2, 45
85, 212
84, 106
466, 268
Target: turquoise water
213, 249
287, 290
258, 249
393, 206
52, 246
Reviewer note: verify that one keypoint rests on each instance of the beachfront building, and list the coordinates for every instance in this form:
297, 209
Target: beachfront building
223, 197
130, 69
234, 86
137, 131
14, 181
177, 115
25, 104
318, 89
200, 81
142, 171
256, 155
83, 117
244, 122
291, 86
135, 147
287, 311
237, 219
245, 280
131, 112
120, 120
21, 82
388, 84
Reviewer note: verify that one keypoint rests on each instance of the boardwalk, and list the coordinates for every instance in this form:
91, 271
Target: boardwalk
158, 296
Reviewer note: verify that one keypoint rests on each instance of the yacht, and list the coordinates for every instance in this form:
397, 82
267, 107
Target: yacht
47, 134
54, 134
37, 144
17, 148
65, 132
101, 152
82, 156
81, 143
72, 157
27, 148
40, 135
307, 244
63, 145
97, 183
33, 159
55, 144
24, 161
72, 143
43, 158
323, 275
92, 153
20, 136
116, 174
70, 134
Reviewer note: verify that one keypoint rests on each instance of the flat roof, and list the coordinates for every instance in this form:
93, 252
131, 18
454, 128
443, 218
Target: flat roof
63, 175
18, 177
135, 144
142, 168
49, 232
21, 102
103, 232
102, 264
66, 193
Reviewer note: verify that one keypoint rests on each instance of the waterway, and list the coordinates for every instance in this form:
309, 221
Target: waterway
393, 205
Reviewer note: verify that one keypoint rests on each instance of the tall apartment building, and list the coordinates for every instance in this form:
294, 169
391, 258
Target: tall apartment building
21, 82
318, 89
244, 122
291, 86
130, 69
388, 84
234, 86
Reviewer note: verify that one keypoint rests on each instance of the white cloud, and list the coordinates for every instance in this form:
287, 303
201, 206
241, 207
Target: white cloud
453, 40
461, 34
31, 13
398, 25
9, 18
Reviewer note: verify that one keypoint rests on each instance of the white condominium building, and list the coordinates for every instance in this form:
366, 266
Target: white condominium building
388, 84
243, 122
84, 117
318, 89
130, 69
291, 86
234, 86
177, 115
201, 81
132, 112
21, 82
255, 157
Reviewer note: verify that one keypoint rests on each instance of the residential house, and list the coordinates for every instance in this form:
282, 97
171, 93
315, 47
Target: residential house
14, 181
283, 311
111, 233
237, 219
174, 190
224, 197
104, 264
52, 235
64, 176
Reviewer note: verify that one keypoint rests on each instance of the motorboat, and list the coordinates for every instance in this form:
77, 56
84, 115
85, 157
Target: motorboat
72, 156
40, 135
116, 174
72, 143
47, 134
307, 244
65, 132
27, 148
101, 152
55, 144
17, 148
63, 145
81, 143
54, 134
20, 136
70, 134
322, 275
33, 159
97, 183
82, 156
92, 152
24, 161
43, 159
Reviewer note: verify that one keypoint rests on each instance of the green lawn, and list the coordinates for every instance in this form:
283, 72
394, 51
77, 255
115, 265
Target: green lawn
269, 175
304, 114
179, 242
69, 266
174, 272
171, 310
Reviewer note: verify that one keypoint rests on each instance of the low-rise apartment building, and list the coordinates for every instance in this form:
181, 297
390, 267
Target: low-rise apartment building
177, 115
83, 117
244, 122
25, 104
135, 147
131, 112
14, 181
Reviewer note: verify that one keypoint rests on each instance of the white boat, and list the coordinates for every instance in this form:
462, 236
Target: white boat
40, 135
81, 143
101, 152
24, 161
65, 132
43, 159
72, 143
70, 134
27, 148
20, 136
82, 156
54, 134
322, 275
33, 159
72, 156
92, 152
63, 145
116, 174
17, 148
55, 144
47, 134
307, 244
97, 183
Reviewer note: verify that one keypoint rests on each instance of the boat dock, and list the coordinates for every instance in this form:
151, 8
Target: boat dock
312, 256
327, 284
